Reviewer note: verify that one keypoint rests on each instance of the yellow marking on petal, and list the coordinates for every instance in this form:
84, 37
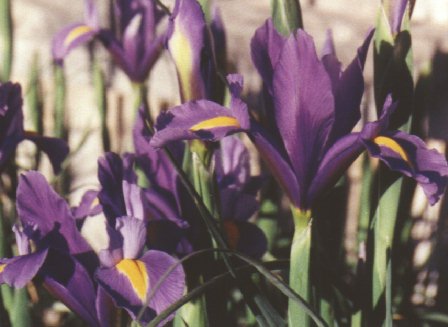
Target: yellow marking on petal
2, 267
135, 271
232, 234
95, 202
222, 121
75, 33
182, 53
393, 145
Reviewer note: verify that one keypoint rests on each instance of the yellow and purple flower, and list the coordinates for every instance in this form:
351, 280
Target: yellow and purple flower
315, 105
135, 46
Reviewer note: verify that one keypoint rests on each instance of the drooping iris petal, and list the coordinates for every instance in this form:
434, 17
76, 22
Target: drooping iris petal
334, 163
279, 166
304, 105
409, 155
38, 204
18, 271
200, 119
131, 280
186, 42
71, 37
56, 149
67, 280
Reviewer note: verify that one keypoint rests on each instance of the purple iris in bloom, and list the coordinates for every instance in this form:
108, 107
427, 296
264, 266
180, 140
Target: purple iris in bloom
128, 273
62, 258
134, 46
12, 131
237, 193
315, 107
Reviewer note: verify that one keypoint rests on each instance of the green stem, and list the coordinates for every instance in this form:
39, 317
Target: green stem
101, 100
299, 271
286, 15
6, 39
59, 102
384, 226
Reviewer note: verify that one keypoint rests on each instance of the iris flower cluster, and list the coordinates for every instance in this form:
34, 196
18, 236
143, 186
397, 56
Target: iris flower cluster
120, 247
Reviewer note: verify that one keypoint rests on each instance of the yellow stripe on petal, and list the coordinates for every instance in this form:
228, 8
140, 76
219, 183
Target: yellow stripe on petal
182, 53
2, 267
393, 145
136, 273
75, 33
222, 121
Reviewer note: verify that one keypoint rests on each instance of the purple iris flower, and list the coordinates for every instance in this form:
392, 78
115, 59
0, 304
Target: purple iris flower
198, 51
315, 107
236, 188
62, 259
12, 131
128, 273
135, 46
237, 198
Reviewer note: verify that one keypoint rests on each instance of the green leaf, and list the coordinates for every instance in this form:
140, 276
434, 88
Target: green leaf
6, 39
273, 279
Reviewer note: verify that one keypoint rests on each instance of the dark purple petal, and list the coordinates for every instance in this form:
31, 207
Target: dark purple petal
38, 204
56, 149
245, 237
266, 46
236, 205
304, 104
185, 43
277, 163
348, 92
133, 231
18, 271
161, 206
409, 155
156, 165
71, 37
105, 308
67, 280
200, 119
333, 165
11, 120
110, 175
